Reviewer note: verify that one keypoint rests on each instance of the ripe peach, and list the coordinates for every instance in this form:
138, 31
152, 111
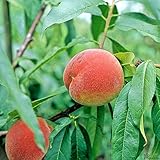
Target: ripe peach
93, 77
20, 144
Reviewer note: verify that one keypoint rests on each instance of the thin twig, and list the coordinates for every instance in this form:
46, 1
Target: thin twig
7, 29
29, 35
110, 109
66, 112
157, 65
62, 114
140, 61
107, 24
3, 133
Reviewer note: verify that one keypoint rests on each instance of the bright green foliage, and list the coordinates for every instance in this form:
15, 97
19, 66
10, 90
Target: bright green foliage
117, 47
17, 100
155, 150
67, 10
125, 134
142, 90
4, 108
98, 29
36, 88
80, 144
60, 146
143, 24
156, 112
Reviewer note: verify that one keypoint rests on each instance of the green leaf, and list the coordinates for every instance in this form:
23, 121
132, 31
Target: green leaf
158, 90
129, 70
94, 11
142, 90
151, 7
36, 103
90, 120
3, 94
3, 120
13, 114
31, 9
4, 107
16, 3
125, 57
49, 57
155, 150
68, 10
61, 146
125, 139
145, 25
58, 38
141, 144
98, 29
79, 144
71, 32
156, 120
117, 47
142, 17
87, 140
126, 60
156, 111
18, 100
27, 5
63, 123
142, 130
99, 132
52, 2
58, 91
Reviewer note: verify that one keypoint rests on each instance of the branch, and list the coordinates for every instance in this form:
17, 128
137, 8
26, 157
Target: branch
66, 112
3, 133
7, 28
62, 114
108, 19
140, 61
29, 35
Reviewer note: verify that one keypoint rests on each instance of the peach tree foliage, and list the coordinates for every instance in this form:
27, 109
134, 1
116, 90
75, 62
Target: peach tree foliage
119, 130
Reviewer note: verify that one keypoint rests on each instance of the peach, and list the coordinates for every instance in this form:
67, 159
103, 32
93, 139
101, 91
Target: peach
93, 77
20, 144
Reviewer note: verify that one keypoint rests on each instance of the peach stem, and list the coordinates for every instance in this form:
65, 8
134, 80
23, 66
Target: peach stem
108, 19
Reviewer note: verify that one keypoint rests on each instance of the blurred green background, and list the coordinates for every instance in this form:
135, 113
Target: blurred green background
50, 76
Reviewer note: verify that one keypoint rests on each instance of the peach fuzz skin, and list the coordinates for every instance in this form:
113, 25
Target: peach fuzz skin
93, 77
20, 144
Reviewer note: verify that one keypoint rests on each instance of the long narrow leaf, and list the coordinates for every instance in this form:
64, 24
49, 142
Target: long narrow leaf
68, 10
18, 100
125, 135
61, 146
142, 90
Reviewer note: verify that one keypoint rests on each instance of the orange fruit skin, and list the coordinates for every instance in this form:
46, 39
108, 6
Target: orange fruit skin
20, 144
93, 77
